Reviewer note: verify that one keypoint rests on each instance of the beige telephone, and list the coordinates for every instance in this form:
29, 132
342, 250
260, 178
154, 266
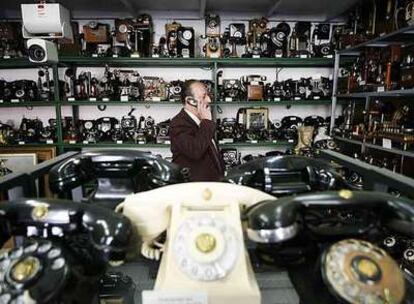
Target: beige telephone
204, 248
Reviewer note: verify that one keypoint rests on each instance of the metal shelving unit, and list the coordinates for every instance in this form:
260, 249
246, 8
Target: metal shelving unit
395, 93
27, 104
205, 63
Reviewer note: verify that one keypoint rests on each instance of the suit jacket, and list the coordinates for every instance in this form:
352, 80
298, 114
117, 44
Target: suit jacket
192, 147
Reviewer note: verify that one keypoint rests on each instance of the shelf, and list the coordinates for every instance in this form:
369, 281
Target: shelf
200, 62
18, 63
403, 37
275, 62
376, 147
27, 104
396, 93
118, 103
275, 103
113, 145
280, 143
29, 145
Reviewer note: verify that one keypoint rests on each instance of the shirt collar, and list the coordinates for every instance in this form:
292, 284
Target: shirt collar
193, 117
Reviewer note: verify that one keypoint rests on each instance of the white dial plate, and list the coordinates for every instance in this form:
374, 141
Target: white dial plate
214, 264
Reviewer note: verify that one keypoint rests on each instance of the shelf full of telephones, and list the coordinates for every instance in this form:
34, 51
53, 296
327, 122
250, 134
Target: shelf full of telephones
384, 125
253, 126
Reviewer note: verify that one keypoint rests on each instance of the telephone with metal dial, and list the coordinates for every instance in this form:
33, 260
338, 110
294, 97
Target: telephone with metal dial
117, 172
334, 240
285, 175
66, 248
204, 248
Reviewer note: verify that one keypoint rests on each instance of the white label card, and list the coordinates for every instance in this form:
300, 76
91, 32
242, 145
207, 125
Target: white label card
94, 55
1, 100
316, 97
71, 98
85, 142
72, 142
141, 142
253, 141
297, 98
124, 98
134, 55
105, 99
21, 143
155, 56
381, 89
115, 55
303, 56
15, 100
291, 141
6, 57
387, 143
256, 56
228, 99
163, 297
92, 99
119, 142
167, 142
49, 141
276, 99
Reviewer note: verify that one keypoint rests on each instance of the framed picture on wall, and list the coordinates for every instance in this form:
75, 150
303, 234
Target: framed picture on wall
42, 154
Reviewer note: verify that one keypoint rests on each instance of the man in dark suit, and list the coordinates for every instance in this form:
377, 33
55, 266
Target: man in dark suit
192, 135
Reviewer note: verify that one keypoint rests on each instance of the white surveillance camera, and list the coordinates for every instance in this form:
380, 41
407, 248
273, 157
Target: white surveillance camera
41, 50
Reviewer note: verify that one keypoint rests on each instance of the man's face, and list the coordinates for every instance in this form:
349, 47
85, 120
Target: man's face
200, 93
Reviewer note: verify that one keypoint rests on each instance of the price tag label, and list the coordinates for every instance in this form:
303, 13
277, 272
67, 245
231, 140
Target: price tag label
303, 56
1, 100
228, 99
297, 98
186, 56
105, 99
85, 142
156, 98
115, 56
163, 297
14, 100
6, 57
49, 141
167, 142
381, 89
22, 143
134, 55
92, 99
71, 98
72, 142
155, 56
276, 99
329, 56
316, 97
291, 140
95, 55
387, 143
141, 142
256, 56
253, 141
119, 142
124, 98
279, 56
362, 82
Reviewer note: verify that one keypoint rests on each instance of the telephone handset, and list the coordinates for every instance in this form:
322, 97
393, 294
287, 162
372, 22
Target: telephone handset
204, 246
117, 172
192, 101
67, 247
284, 175
349, 270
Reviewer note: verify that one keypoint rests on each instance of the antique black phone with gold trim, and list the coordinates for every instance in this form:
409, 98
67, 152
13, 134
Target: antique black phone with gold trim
331, 242
117, 172
65, 250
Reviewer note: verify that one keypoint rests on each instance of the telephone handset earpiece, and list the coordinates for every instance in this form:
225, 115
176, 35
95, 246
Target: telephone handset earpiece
192, 101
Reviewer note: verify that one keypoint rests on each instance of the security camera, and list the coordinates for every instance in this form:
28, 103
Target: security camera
41, 50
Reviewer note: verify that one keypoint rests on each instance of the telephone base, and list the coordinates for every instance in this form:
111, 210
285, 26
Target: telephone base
275, 286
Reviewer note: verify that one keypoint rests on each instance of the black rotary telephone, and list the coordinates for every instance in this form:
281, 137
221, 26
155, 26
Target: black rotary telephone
338, 244
117, 173
285, 175
65, 250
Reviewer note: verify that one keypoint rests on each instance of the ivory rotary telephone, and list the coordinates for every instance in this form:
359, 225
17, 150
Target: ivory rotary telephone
117, 173
329, 242
66, 248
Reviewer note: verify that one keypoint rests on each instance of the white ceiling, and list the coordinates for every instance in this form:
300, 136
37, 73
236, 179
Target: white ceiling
314, 10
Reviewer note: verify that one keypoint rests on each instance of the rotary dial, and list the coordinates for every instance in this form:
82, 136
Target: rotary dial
206, 248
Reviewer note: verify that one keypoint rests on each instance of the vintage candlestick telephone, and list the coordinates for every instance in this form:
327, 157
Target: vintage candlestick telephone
117, 172
276, 40
66, 248
213, 47
257, 28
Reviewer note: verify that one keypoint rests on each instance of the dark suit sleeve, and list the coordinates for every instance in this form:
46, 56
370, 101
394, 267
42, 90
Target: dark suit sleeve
189, 142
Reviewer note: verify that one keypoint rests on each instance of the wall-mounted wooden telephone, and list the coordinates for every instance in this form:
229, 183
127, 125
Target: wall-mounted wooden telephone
117, 173
204, 249
337, 254
65, 250
285, 175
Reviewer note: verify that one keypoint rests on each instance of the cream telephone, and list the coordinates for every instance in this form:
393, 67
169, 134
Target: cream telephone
204, 249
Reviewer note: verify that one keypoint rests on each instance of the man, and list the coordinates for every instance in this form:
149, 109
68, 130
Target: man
192, 135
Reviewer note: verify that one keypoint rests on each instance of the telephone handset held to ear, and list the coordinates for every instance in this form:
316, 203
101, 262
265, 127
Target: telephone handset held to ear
192, 101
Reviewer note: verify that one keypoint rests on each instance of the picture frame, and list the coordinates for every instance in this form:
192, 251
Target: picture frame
42, 154
257, 118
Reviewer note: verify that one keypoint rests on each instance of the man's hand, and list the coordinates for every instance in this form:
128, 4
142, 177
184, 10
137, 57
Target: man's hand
204, 110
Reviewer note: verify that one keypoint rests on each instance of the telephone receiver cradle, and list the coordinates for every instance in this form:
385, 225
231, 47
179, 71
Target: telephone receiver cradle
118, 173
66, 248
204, 249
